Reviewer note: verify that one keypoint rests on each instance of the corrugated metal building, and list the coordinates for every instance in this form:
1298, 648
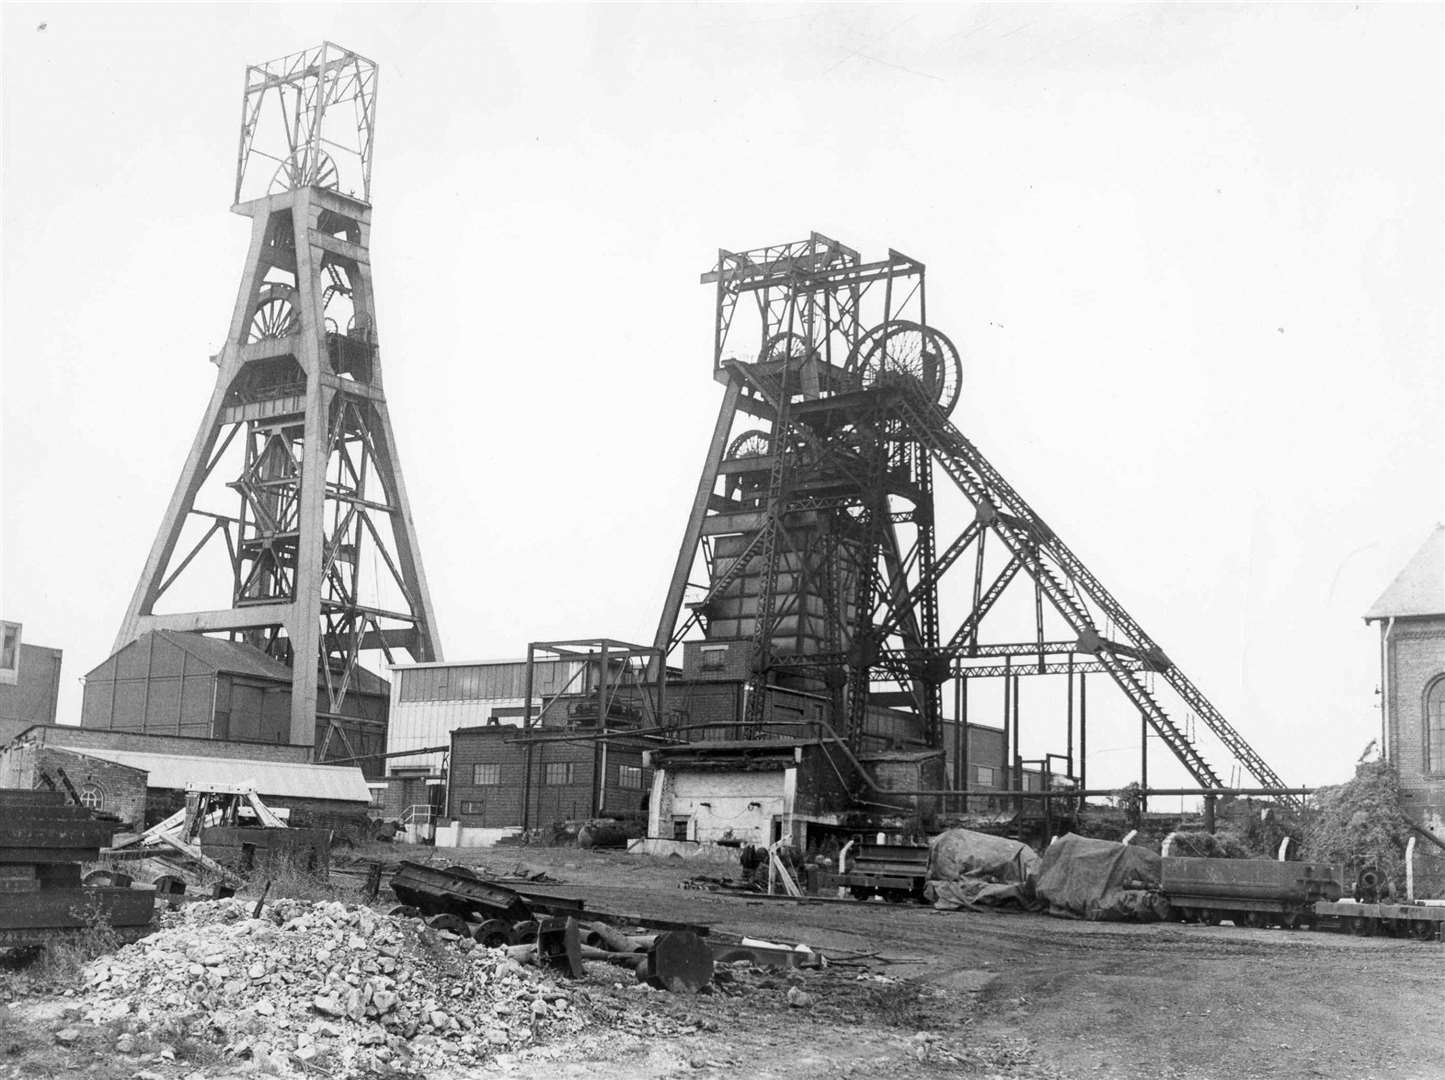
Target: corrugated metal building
172, 683
430, 701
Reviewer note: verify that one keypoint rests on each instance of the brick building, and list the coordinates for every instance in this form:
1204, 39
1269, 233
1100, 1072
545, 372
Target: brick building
503, 777
29, 682
1411, 617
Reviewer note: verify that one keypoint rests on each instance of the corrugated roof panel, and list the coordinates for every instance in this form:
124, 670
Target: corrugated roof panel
1419, 589
344, 783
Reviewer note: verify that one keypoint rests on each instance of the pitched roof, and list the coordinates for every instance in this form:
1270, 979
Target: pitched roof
228, 655
1419, 589
241, 659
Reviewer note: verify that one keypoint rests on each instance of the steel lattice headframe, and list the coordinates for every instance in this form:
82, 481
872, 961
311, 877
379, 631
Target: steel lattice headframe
814, 520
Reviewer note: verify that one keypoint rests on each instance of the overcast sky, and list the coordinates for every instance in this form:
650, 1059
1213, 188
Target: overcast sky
1191, 256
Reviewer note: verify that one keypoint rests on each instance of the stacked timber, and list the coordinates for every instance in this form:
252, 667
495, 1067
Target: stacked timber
43, 843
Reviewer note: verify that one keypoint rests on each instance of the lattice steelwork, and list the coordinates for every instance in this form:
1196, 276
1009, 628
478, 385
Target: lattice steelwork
813, 534
318, 544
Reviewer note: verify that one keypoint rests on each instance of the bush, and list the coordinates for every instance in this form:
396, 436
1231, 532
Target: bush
1360, 823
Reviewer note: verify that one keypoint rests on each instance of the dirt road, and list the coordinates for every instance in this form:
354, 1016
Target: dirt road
1024, 995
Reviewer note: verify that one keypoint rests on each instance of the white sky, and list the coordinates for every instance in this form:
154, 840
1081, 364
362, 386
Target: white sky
1191, 256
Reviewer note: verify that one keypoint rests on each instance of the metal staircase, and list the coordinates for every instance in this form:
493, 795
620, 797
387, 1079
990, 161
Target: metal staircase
1070, 587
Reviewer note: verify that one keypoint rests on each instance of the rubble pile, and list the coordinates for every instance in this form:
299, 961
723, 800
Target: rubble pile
323, 986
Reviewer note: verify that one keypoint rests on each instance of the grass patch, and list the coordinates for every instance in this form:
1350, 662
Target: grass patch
56, 966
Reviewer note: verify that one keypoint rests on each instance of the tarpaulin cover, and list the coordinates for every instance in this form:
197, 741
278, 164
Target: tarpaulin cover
973, 869
1084, 878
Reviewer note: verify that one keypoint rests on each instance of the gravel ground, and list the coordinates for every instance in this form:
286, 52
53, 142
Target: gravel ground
937, 994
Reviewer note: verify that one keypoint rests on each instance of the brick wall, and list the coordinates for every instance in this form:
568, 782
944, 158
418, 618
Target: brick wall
549, 799
119, 789
1416, 660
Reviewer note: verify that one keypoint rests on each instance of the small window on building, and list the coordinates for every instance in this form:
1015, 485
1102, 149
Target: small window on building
473, 807
486, 773
1435, 726
984, 776
679, 828
557, 773
92, 796
9, 652
378, 797
629, 776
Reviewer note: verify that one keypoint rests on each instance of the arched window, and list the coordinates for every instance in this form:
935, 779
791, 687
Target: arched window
1435, 726
92, 796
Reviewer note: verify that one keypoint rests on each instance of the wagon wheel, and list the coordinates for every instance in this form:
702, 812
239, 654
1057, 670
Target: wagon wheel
305, 168
788, 345
910, 354
275, 315
750, 444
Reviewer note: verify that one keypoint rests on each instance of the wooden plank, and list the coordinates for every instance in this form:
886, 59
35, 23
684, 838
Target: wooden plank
9, 854
18, 797
75, 907
87, 834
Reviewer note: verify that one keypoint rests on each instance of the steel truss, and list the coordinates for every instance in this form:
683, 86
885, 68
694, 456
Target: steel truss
814, 528
323, 560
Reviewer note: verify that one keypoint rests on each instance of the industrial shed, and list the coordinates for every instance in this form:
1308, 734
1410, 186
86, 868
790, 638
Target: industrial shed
167, 682
142, 779
749, 791
431, 701
502, 777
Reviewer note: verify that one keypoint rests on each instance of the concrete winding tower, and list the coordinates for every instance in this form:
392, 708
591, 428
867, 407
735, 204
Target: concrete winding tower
289, 528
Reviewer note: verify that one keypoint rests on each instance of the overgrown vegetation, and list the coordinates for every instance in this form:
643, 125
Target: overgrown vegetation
290, 881
55, 966
1360, 822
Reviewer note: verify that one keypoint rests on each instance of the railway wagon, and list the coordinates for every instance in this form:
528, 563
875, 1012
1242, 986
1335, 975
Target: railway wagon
1422, 920
1248, 892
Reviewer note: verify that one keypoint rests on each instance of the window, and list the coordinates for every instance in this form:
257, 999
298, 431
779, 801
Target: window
485, 773
378, 796
984, 776
679, 828
1435, 726
476, 807
92, 796
9, 652
629, 776
557, 773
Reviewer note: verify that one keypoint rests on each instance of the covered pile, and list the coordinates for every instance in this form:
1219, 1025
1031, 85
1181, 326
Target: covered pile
1081, 877
335, 987
973, 869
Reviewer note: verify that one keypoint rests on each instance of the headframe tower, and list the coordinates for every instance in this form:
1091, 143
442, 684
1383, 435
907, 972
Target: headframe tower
815, 539
289, 527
